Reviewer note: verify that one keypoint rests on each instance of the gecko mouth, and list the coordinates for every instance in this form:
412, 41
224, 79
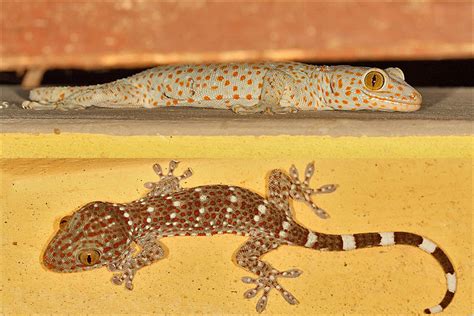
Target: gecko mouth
415, 99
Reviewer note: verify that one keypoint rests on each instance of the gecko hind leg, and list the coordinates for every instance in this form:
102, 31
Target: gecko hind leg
248, 257
301, 191
167, 183
281, 187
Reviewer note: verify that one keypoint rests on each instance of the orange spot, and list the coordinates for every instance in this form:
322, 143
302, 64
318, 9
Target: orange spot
155, 103
61, 96
357, 91
170, 76
180, 92
168, 87
206, 98
354, 98
260, 85
220, 78
344, 101
390, 86
235, 88
358, 74
365, 101
219, 97
235, 74
339, 83
249, 81
168, 103
140, 85
348, 93
198, 78
125, 97
400, 88
258, 72
235, 67
208, 77
190, 100
227, 82
200, 70
190, 70
179, 71
326, 93
214, 87
242, 78
336, 94
349, 72
236, 96
175, 102
204, 85
249, 97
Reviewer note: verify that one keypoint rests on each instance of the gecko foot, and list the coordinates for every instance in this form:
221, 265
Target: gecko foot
126, 276
59, 105
167, 183
302, 192
268, 282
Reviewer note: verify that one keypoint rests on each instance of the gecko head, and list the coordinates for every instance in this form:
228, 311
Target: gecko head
90, 238
363, 88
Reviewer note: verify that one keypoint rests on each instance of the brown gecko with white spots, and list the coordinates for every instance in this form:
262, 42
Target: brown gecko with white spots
244, 88
102, 234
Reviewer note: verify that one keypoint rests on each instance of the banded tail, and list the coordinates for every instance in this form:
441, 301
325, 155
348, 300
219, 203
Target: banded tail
321, 241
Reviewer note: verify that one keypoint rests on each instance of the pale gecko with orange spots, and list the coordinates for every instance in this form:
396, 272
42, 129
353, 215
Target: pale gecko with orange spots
244, 88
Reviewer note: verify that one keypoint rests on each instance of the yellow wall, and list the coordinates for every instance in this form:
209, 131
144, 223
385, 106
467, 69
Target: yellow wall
416, 184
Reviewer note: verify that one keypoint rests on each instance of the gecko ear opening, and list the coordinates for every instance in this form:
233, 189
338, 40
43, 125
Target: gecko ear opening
395, 72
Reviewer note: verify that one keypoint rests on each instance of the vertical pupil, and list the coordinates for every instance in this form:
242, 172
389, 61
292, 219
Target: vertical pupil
374, 80
89, 259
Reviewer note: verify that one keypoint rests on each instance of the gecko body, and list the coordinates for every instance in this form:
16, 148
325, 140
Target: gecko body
103, 234
244, 88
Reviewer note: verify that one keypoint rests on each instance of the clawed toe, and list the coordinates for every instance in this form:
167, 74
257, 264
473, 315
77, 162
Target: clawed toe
168, 183
267, 283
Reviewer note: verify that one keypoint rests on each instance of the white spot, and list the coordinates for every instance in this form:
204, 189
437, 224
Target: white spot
311, 240
262, 208
212, 223
256, 218
172, 215
436, 309
285, 225
130, 223
148, 220
197, 189
451, 279
231, 188
203, 198
96, 205
348, 242
147, 227
227, 216
198, 218
282, 234
175, 223
233, 198
202, 210
107, 217
387, 239
150, 209
126, 214
122, 208
169, 197
176, 203
427, 245
229, 210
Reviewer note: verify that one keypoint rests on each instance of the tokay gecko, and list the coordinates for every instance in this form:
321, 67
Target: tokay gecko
104, 234
244, 88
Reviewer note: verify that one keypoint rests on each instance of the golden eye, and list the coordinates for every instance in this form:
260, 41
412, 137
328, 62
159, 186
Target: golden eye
64, 222
89, 257
374, 80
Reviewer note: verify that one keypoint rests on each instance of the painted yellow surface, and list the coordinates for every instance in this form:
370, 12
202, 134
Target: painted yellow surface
408, 184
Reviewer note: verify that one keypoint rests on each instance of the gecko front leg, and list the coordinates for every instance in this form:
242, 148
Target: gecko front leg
167, 183
151, 251
248, 257
275, 83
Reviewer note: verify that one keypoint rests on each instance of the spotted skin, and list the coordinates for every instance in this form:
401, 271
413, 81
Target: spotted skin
106, 234
244, 88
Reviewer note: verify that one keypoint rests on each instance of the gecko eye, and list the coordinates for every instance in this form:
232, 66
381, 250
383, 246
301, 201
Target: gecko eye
89, 257
374, 80
63, 223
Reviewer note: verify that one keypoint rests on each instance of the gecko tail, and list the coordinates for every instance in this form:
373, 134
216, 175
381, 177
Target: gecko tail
323, 242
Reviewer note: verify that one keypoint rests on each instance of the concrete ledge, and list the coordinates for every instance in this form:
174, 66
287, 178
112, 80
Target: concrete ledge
445, 111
